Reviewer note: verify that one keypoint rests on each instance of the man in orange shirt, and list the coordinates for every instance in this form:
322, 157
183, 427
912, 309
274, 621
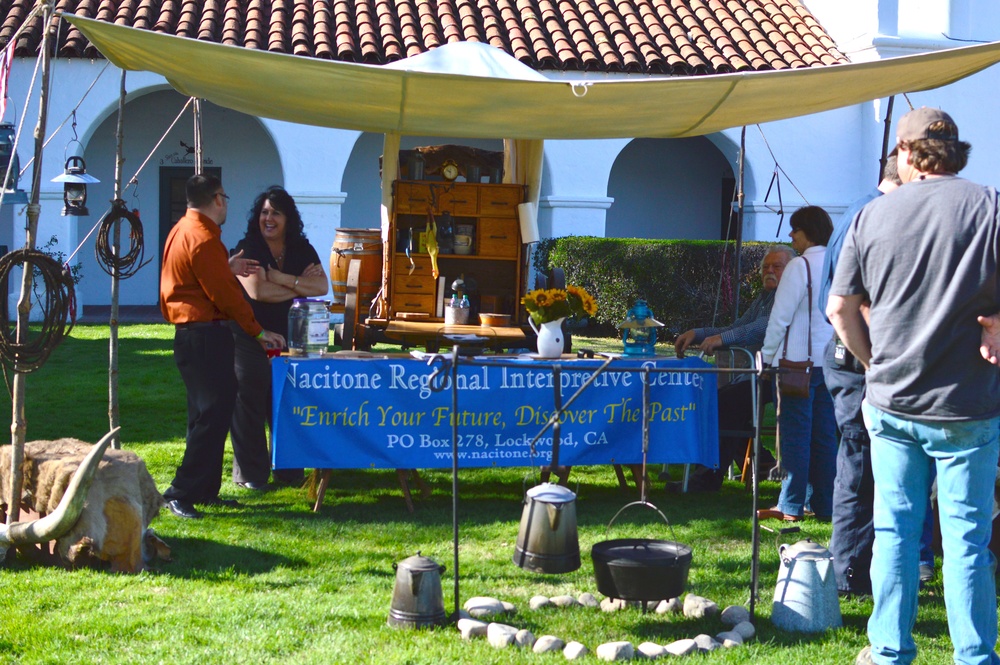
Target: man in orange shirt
199, 294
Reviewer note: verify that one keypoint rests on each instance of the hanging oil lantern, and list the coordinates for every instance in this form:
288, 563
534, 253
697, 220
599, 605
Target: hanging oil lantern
75, 180
8, 159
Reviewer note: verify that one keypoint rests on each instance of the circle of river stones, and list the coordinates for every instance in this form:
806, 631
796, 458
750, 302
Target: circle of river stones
474, 622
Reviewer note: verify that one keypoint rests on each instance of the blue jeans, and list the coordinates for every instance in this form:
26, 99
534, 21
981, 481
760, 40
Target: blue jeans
964, 453
808, 431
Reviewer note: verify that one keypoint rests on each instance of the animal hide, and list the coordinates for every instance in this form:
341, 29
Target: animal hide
122, 501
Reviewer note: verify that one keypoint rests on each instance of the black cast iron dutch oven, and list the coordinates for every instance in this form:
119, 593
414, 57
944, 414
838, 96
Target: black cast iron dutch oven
641, 568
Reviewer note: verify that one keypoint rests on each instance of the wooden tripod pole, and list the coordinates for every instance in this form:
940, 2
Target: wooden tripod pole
114, 416
18, 427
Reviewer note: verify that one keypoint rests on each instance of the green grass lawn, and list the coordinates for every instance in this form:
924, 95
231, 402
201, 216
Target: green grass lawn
273, 581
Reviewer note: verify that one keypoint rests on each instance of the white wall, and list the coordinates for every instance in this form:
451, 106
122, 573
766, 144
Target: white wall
852, 23
574, 188
975, 20
666, 188
819, 160
868, 29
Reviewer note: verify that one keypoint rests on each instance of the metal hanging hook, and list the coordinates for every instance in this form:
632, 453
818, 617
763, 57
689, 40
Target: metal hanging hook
439, 378
73, 140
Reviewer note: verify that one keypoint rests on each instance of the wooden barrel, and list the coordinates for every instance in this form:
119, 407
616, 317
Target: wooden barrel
366, 246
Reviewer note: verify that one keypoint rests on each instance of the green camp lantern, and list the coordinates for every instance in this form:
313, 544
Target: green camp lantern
639, 330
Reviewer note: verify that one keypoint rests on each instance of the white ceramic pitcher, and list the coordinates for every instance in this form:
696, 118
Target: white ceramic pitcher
550, 337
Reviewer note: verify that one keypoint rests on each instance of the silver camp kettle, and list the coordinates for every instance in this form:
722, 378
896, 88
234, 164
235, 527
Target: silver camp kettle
805, 597
417, 600
547, 540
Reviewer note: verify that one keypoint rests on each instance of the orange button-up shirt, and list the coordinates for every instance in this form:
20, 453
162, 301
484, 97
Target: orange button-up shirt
196, 283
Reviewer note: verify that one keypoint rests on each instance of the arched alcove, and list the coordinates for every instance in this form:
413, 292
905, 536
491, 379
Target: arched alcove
362, 181
235, 145
670, 188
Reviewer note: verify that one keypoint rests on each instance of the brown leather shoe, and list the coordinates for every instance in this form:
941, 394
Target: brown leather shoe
774, 513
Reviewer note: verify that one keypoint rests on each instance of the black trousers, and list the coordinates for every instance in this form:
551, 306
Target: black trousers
251, 460
204, 356
736, 414
854, 488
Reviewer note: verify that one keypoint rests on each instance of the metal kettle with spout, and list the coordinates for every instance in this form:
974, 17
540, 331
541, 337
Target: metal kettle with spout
417, 600
547, 539
805, 597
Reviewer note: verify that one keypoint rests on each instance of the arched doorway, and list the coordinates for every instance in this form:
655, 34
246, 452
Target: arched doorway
236, 146
670, 188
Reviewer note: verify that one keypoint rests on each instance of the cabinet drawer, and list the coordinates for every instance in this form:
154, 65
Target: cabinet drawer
412, 302
421, 270
499, 201
498, 237
458, 199
403, 283
412, 197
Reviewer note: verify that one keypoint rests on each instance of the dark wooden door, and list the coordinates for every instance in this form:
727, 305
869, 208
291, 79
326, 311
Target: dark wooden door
173, 202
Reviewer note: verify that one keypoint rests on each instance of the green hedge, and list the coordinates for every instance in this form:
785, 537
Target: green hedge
680, 279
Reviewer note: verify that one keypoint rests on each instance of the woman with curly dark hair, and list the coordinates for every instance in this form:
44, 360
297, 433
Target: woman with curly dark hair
290, 268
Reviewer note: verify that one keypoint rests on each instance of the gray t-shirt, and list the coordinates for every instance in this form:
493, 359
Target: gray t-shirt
926, 256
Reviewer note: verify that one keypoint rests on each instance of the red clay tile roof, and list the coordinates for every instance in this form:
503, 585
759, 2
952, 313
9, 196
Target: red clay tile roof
680, 37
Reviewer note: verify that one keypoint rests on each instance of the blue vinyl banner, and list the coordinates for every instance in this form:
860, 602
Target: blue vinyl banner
347, 413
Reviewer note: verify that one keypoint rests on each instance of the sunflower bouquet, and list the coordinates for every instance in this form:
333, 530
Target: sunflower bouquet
545, 305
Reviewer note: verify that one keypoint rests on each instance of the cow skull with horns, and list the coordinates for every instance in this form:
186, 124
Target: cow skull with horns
107, 522
62, 519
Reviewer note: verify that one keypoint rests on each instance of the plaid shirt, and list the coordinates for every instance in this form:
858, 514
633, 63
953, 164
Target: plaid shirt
748, 330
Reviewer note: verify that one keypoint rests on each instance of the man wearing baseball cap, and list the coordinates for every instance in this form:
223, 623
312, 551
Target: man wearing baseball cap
924, 258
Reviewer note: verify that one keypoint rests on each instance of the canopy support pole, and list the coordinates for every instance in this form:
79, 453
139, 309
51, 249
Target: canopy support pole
18, 427
198, 147
885, 137
114, 415
739, 220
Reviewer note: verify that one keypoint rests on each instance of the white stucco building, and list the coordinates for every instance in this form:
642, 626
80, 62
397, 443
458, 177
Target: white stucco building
650, 188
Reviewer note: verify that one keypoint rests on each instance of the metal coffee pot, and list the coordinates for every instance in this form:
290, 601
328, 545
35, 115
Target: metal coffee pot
417, 601
805, 597
547, 539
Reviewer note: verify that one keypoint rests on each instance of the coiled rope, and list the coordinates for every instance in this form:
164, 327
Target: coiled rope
54, 295
128, 263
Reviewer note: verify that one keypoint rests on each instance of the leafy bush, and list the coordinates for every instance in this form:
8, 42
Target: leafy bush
682, 280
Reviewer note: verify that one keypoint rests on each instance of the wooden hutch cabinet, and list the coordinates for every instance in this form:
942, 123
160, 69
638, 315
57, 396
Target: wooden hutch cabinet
492, 265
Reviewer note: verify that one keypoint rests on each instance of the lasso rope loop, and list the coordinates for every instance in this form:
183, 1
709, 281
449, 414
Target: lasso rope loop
56, 304
128, 263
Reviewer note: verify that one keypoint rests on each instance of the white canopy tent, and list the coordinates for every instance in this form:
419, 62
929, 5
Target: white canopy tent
488, 94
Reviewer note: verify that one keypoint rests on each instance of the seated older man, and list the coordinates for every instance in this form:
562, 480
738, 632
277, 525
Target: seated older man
735, 404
